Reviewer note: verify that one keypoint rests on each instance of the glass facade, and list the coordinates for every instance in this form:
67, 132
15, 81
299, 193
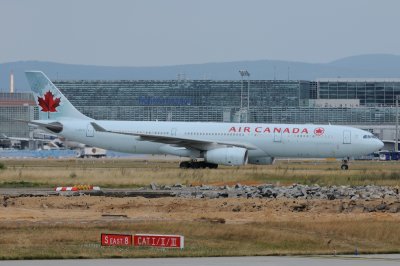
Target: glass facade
370, 92
270, 101
325, 115
174, 100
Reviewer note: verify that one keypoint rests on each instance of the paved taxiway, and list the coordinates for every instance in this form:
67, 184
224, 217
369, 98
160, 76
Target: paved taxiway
111, 192
370, 260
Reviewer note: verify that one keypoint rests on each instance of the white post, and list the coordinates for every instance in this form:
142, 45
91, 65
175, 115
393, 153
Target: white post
248, 99
12, 82
396, 147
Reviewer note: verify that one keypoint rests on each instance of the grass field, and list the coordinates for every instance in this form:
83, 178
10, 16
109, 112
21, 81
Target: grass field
41, 241
135, 173
320, 232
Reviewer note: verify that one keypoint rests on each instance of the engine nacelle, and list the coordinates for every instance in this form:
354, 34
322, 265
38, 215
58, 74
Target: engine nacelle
261, 160
227, 156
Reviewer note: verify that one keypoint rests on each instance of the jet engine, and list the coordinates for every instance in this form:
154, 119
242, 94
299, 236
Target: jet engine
261, 160
227, 156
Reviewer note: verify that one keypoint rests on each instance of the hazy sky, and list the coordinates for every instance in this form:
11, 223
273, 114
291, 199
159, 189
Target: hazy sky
169, 32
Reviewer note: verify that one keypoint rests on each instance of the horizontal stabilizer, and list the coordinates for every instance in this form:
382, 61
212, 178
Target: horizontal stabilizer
55, 127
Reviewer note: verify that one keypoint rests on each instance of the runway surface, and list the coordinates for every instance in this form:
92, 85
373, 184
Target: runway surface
370, 260
111, 192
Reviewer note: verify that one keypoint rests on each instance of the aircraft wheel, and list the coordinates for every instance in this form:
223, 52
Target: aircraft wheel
212, 165
344, 167
184, 165
195, 165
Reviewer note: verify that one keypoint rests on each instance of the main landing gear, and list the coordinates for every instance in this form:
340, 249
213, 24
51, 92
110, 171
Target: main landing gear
345, 164
197, 165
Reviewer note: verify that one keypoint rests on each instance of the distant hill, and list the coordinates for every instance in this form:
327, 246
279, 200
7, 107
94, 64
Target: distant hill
368, 66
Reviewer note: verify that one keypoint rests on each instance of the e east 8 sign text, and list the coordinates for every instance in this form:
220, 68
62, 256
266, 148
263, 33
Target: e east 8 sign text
116, 240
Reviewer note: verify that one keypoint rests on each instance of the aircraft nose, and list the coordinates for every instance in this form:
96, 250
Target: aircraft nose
379, 144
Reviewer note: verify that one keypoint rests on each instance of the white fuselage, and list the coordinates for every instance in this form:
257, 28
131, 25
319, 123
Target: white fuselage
268, 140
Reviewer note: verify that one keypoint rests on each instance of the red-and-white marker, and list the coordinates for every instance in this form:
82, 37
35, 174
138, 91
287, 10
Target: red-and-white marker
160, 241
116, 240
66, 189
76, 188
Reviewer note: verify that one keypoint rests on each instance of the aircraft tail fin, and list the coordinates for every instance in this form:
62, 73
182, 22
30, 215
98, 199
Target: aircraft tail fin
51, 102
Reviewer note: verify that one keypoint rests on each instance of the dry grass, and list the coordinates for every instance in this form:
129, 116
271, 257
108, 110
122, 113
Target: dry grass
135, 173
286, 234
203, 239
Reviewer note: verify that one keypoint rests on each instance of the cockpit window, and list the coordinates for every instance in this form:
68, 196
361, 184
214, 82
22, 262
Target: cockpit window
369, 137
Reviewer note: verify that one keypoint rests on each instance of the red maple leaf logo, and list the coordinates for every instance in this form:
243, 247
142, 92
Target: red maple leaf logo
48, 102
319, 131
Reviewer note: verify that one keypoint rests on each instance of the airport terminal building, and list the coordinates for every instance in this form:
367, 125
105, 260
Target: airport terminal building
174, 100
364, 103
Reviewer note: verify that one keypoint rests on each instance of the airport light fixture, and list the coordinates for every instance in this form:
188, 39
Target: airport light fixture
245, 73
242, 74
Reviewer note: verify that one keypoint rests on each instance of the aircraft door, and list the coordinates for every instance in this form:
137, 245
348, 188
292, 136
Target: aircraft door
89, 131
173, 132
277, 136
346, 137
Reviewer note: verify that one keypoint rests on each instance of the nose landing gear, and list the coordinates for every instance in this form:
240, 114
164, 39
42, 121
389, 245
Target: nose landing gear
345, 164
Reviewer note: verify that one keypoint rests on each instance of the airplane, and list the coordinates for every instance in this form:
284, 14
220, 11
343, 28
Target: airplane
206, 144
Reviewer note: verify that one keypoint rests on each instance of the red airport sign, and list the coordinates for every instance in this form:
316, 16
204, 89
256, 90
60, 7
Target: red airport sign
161, 241
116, 240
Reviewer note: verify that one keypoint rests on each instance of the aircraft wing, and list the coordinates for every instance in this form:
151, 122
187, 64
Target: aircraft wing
178, 141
